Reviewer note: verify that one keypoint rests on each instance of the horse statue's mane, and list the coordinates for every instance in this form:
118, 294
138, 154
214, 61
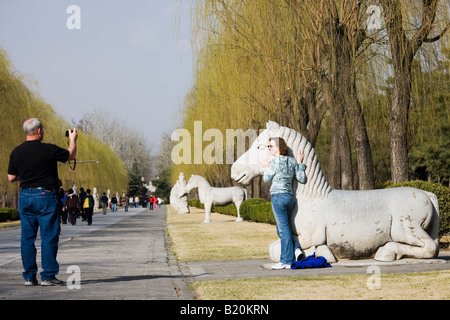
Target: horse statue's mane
316, 185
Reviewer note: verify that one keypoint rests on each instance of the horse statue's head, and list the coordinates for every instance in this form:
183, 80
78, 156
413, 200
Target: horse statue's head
194, 182
248, 166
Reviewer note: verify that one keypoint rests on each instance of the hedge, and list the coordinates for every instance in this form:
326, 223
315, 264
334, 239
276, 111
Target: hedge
443, 194
196, 203
10, 214
256, 209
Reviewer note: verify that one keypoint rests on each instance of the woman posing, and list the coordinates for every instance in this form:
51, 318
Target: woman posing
281, 171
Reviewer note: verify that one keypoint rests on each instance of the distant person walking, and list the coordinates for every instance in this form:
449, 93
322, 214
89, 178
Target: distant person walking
88, 206
63, 208
72, 203
104, 200
34, 164
155, 203
82, 196
114, 203
61, 198
126, 203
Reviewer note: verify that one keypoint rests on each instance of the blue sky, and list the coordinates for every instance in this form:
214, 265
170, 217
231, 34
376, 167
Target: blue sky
130, 58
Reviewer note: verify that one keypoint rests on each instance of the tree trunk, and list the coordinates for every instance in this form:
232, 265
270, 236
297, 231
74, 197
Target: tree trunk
398, 123
257, 187
345, 46
398, 126
340, 161
361, 144
334, 161
311, 114
403, 51
346, 95
345, 156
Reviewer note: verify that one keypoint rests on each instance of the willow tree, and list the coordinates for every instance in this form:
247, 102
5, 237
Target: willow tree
333, 40
302, 60
249, 71
409, 25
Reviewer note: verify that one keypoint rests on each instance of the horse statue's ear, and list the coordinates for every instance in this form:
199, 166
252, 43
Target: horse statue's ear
272, 125
273, 128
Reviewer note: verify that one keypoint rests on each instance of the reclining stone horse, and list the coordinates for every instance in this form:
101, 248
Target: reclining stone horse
210, 196
385, 224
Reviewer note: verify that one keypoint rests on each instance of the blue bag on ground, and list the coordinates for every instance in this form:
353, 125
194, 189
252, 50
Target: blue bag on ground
311, 262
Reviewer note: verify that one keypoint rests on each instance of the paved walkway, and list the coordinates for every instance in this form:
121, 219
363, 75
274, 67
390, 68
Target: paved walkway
127, 256
120, 256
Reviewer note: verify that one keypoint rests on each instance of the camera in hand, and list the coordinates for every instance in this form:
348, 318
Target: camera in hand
67, 133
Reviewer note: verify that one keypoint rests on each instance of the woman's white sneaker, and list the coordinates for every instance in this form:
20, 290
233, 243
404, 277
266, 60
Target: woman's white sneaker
280, 266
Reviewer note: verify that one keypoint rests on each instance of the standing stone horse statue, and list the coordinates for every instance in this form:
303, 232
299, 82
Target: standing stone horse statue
210, 196
386, 224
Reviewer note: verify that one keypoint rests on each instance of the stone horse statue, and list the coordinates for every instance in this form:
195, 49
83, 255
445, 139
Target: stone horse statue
178, 201
386, 224
210, 196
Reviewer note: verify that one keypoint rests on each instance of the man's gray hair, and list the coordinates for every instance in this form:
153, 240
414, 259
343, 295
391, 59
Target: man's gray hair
31, 126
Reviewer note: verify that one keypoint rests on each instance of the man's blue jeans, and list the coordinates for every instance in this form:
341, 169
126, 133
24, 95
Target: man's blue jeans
282, 205
39, 209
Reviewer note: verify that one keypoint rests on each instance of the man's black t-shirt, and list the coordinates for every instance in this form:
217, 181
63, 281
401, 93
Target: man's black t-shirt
36, 164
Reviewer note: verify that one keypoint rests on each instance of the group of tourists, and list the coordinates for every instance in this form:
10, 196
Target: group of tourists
109, 202
151, 202
73, 206
154, 201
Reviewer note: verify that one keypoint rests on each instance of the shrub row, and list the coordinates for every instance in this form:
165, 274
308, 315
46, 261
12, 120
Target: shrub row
196, 203
10, 214
256, 209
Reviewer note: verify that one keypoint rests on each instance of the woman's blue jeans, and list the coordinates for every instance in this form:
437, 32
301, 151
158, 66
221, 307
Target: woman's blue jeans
39, 209
282, 205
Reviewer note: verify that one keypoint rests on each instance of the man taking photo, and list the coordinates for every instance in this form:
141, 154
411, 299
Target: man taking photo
34, 164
